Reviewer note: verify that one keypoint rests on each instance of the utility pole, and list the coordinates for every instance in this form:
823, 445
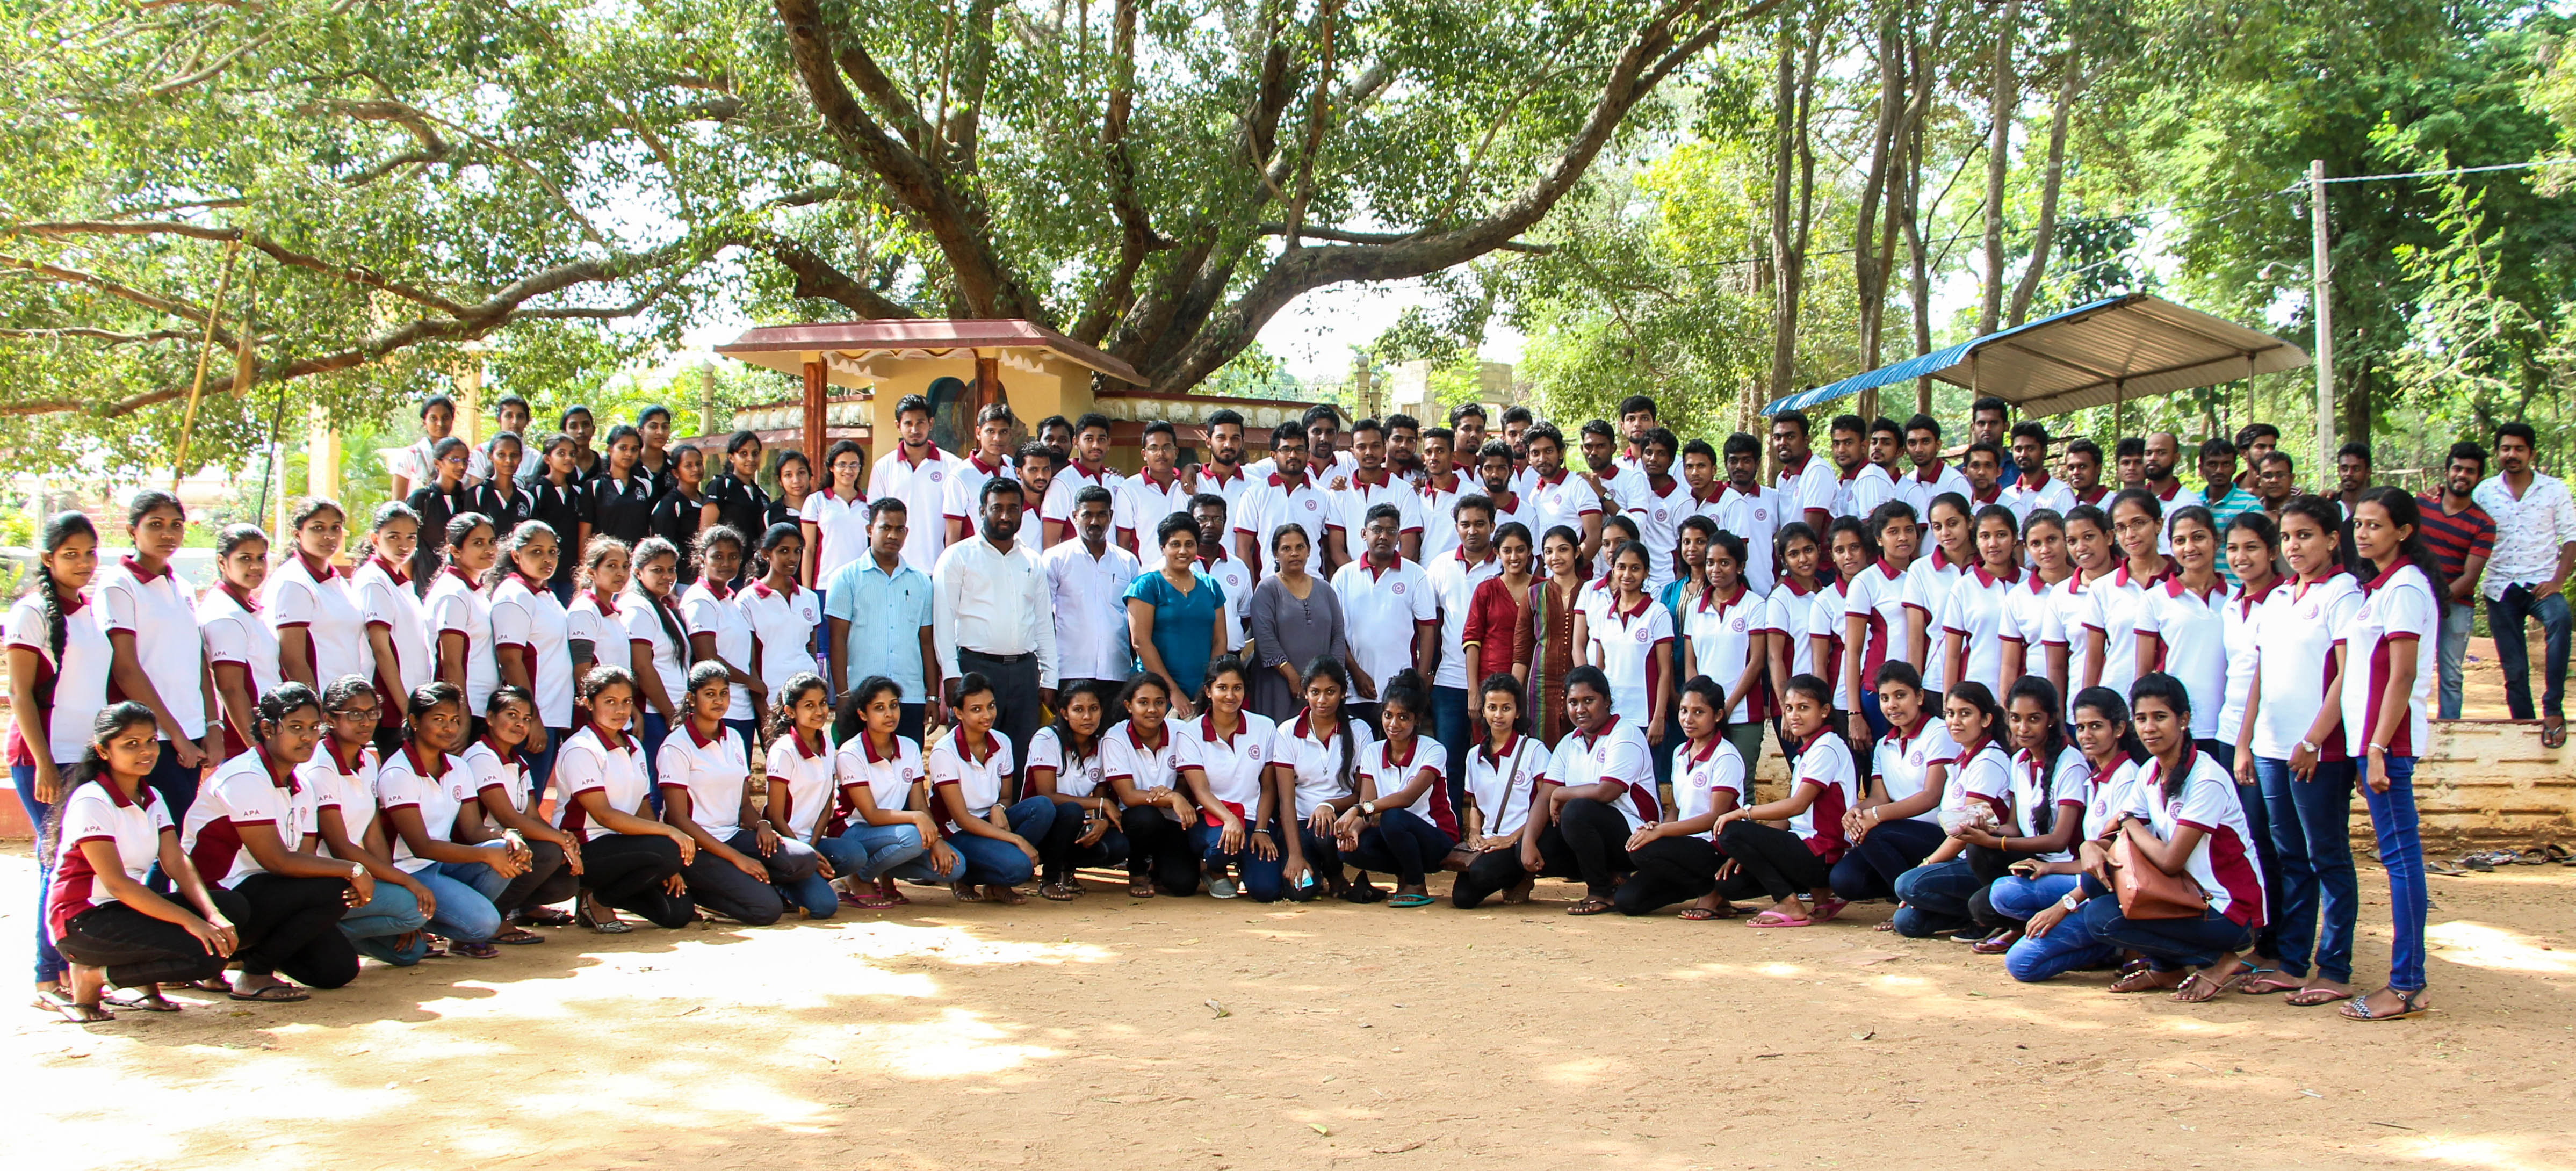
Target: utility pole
2324, 307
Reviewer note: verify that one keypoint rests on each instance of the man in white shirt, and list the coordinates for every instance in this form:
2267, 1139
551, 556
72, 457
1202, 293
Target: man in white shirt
1659, 511
915, 472
991, 457
1223, 473
2535, 545
1848, 448
1620, 488
1087, 580
1389, 609
1930, 477
1157, 490
1636, 421
1492, 463
1751, 511
1089, 468
1286, 496
1983, 465
1790, 445
989, 615
1875, 483
1699, 471
1454, 575
1035, 466
1442, 485
1553, 497
1322, 426
1362, 488
2033, 488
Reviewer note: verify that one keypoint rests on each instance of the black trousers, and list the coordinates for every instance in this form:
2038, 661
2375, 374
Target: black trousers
1059, 856
716, 885
292, 925
548, 880
1989, 865
1669, 870
1323, 861
1015, 693
1589, 841
1774, 861
628, 872
137, 949
1158, 848
1402, 843
1491, 872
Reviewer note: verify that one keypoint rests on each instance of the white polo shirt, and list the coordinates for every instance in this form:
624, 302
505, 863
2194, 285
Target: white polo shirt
386, 601
804, 782
435, 786
1069, 481
1980, 611
2063, 788
1088, 600
236, 634
2241, 623
1982, 775
1903, 761
2105, 798
352, 792
962, 498
1926, 588
243, 792
1621, 488
979, 782
597, 620
333, 618
1439, 522
1877, 596
1313, 756
456, 606
1659, 517
2399, 609
1231, 486
923, 488
644, 626
1080, 778
1870, 487
2072, 601
1564, 500
2024, 498
1351, 504
711, 607
2224, 862
78, 679
1125, 755
1826, 489
491, 777
1501, 785
528, 617
1825, 762
1699, 774
1791, 482
1388, 773
2191, 631
1825, 634
841, 526
96, 812
1914, 489
1232, 764
714, 769
1618, 756
590, 760
2034, 609
1273, 502
783, 626
1755, 516
1140, 502
1789, 613
1723, 634
1626, 642
2119, 602
1381, 609
160, 612
889, 778
1453, 585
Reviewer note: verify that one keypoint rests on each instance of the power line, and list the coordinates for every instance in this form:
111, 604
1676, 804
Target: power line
2522, 166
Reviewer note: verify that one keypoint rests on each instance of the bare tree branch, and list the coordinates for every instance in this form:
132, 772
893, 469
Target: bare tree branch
282, 254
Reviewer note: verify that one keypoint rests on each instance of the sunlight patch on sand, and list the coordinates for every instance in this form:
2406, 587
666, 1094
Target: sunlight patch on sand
2479, 945
955, 945
959, 1043
2496, 1152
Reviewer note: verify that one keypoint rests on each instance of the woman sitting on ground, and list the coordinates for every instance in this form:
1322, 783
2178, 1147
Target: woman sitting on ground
342, 775
883, 786
1225, 757
967, 770
108, 831
497, 766
705, 781
1402, 824
1502, 775
421, 789
1142, 768
1678, 859
1786, 863
1898, 824
1317, 753
251, 831
2050, 781
1597, 792
1064, 764
1979, 794
789, 832
629, 860
2112, 756
2182, 818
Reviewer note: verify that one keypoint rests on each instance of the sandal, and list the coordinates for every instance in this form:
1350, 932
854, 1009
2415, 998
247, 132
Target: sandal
517, 937
1139, 888
2143, 979
1776, 919
2360, 1010
544, 917
868, 902
2534, 856
1363, 894
50, 1000
151, 1001
2269, 982
2553, 733
1997, 943
1409, 902
610, 926
477, 951
1057, 892
2438, 866
2558, 853
1591, 905
1706, 914
273, 994
892, 894
2315, 997
84, 1014
1004, 895
2188, 992
1824, 912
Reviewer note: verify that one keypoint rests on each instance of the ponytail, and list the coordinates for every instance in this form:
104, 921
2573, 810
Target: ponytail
59, 531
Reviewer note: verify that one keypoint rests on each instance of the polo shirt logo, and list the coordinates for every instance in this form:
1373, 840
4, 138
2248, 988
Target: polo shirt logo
1739, 625
1252, 753
1641, 634
936, 475
1310, 505
1661, 515
1761, 514
1399, 588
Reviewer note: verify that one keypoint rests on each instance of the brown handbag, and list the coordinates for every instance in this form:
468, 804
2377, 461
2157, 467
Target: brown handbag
2147, 892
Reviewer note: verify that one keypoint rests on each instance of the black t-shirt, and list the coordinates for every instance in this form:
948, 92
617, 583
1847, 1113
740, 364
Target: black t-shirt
675, 519
507, 515
435, 509
623, 511
740, 505
562, 509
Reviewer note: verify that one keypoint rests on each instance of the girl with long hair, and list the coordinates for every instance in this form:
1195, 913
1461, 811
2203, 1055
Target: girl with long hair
109, 831
1849, 551
2050, 783
443, 497
619, 501
792, 832
59, 660
2120, 600
968, 771
734, 496
1896, 826
421, 789
1064, 764
1787, 863
887, 791
705, 775
2182, 625
630, 861
1788, 614
560, 503
720, 633
1225, 757
1318, 753
594, 625
253, 832
2045, 651
1403, 824
833, 522
657, 644
158, 656
342, 775
460, 615
2386, 721
782, 612
1630, 639
1556, 630
240, 647
532, 645
397, 626
1140, 760
319, 620
1874, 619
1950, 527
1677, 858
2112, 756
1936, 894
2254, 554
503, 802
1980, 633
1502, 779
1724, 638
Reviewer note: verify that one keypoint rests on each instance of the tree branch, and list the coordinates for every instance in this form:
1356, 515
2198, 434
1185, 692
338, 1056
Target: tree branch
1346, 236
820, 279
74, 276
278, 252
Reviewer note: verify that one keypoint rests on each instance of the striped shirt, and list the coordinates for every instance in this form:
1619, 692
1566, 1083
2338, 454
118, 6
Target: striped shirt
2455, 539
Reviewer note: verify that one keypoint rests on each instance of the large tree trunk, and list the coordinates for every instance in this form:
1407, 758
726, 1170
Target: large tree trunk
2003, 100
1793, 188
1869, 272
2069, 83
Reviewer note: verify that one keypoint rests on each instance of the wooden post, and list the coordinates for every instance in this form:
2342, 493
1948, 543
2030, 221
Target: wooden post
988, 386
2322, 265
707, 399
816, 385
322, 458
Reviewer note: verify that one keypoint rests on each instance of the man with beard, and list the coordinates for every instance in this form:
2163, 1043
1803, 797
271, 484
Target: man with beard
989, 615
1847, 444
1930, 477
1404, 449
2462, 537
1875, 483
1286, 496
1467, 421
1987, 420
1636, 418
1223, 473
2082, 465
2253, 442
2224, 500
2276, 479
2032, 487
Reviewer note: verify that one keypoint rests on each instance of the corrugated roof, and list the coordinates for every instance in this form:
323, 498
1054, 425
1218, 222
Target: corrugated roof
2115, 349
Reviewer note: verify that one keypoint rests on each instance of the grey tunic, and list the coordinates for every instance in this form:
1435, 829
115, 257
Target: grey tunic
1288, 630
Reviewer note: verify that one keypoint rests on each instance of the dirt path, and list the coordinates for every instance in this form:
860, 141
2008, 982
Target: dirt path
1063, 1036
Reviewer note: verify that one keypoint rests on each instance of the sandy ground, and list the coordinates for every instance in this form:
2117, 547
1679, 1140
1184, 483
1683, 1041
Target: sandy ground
1047, 1035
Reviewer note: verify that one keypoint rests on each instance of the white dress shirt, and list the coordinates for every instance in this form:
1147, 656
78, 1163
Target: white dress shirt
923, 488
2529, 531
993, 601
1087, 597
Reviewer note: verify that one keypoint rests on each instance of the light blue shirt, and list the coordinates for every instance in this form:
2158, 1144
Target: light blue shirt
886, 613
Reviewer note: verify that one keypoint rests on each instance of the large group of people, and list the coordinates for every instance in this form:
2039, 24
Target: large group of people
2075, 721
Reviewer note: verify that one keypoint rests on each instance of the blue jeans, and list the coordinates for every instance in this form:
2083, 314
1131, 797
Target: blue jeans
2168, 944
49, 963
2015, 897
2312, 836
1936, 898
2457, 622
394, 912
2068, 946
1455, 727
994, 862
1260, 875
1869, 711
872, 852
652, 729
1870, 870
541, 765
2258, 823
2401, 852
2505, 618
464, 891
1402, 843
800, 883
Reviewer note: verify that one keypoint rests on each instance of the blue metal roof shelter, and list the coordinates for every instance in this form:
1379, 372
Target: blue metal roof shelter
2101, 354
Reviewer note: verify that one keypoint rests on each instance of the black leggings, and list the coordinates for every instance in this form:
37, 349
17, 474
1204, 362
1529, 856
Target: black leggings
1323, 864
1989, 865
548, 880
137, 949
293, 926
1402, 844
1774, 860
1490, 872
1588, 840
1059, 856
1669, 870
1159, 848
628, 872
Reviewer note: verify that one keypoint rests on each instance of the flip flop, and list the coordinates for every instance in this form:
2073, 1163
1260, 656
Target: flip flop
1409, 902
1776, 919
2315, 997
1055, 892
2218, 986
84, 1014
1364, 894
2438, 866
2553, 735
2558, 853
1825, 912
476, 951
2268, 982
1997, 943
517, 937
2535, 856
144, 1001
544, 917
869, 902
1706, 914
274, 994
1590, 906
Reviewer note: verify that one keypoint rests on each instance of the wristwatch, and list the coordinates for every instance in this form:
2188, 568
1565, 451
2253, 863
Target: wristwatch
2070, 902
2306, 746
1368, 808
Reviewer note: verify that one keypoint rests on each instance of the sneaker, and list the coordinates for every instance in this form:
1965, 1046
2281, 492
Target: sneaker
1222, 887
